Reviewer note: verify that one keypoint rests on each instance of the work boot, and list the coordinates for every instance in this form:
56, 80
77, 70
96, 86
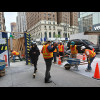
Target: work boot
88, 70
32, 64
55, 62
34, 75
49, 81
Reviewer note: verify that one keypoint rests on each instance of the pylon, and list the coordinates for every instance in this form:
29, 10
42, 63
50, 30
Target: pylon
84, 58
59, 60
96, 73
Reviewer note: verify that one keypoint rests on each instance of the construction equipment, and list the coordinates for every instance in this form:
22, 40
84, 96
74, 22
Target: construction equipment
73, 62
2, 68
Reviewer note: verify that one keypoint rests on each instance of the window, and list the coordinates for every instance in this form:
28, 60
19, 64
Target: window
59, 34
50, 27
54, 27
54, 34
45, 27
54, 23
45, 35
49, 34
0, 27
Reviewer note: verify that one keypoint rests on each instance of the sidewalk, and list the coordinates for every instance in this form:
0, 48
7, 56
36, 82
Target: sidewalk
20, 75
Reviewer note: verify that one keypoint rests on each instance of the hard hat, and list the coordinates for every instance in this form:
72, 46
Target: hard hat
83, 47
72, 43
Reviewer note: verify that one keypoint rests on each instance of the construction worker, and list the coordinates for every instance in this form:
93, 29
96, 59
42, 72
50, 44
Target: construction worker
90, 57
74, 53
15, 54
47, 52
61, 50
55, 53
73, 49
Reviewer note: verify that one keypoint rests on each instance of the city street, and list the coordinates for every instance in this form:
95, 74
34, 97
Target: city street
20, 75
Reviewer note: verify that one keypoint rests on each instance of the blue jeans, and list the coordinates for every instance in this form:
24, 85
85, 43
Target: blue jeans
89, 64
15, 56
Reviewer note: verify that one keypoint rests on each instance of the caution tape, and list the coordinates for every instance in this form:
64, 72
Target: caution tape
3, 48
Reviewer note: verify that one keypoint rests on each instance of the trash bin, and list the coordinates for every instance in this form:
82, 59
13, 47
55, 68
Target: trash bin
2, 68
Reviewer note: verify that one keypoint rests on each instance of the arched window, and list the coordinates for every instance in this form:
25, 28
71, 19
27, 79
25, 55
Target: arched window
45, 35
54, 34
49, 34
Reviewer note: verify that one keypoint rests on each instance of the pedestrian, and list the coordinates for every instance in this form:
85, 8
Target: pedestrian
34, 54
15, 54
61, 50
47, 52
90, 57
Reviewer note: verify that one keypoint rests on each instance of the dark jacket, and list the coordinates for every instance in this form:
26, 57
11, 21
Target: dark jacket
34, 56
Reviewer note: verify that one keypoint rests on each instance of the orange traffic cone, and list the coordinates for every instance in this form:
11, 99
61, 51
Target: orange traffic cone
59, 60
84, 57
96, 73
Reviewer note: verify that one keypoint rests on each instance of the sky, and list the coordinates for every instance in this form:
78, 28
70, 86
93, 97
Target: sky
9, 17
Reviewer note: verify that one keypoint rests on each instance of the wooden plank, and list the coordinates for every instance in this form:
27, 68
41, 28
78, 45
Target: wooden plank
91, 33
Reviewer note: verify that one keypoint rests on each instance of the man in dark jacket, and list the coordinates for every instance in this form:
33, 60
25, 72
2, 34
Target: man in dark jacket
34, 54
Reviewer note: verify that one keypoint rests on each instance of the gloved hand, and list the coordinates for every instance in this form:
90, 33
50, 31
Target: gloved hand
89, 61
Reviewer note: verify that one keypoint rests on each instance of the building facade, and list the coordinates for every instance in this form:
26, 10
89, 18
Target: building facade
2, 22
13, 29
89, 21
49, 24
21, 25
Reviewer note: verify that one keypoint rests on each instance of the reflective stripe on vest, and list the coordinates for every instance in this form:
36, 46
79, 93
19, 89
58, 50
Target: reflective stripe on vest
73, 49
46, 53
55, 50
91, 53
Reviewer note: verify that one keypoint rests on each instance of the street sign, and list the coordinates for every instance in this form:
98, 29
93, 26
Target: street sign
44, 39
66, 38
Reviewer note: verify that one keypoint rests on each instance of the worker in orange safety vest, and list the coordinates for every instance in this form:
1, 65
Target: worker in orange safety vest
61, 50
73, 49
47, 52
55, 53
90, 57
15, 54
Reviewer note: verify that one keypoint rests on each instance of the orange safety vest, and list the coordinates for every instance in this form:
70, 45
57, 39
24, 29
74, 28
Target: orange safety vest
60, 47
91, 53
46, 53
55, 49
15, 53
73, 49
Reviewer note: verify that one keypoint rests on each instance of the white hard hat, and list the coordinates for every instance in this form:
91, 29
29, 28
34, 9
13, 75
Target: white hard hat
83, 47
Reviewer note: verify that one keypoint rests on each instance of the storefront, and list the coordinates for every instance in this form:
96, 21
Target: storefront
96, 28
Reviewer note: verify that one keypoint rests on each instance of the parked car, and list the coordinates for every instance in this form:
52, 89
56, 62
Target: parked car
83, 42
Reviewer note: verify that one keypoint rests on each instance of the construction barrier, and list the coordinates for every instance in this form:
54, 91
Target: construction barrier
4, 52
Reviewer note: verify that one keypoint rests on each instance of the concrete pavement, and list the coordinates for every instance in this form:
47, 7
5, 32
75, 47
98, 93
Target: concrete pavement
20, 75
